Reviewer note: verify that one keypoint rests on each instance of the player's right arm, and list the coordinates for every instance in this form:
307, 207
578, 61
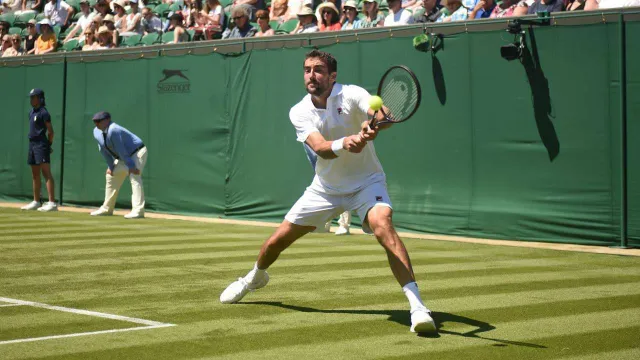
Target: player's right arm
308, 133
331, 149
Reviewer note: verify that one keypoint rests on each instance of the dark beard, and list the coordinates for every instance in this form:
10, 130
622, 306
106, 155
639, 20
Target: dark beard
318, 91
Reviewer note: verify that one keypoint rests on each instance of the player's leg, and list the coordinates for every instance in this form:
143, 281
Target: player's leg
374, 206
311, 211
258, 278
46, 173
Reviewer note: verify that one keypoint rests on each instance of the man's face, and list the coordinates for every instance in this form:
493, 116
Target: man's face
84, 7
146, 13
429, 4
317, 79
101, 124
6, 41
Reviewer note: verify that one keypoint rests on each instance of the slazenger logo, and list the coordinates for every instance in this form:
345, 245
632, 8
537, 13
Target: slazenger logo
174, 81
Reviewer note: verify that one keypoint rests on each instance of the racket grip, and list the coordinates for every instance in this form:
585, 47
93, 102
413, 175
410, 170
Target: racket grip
372, 122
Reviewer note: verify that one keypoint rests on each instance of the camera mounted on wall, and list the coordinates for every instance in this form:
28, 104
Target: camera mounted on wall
515, 50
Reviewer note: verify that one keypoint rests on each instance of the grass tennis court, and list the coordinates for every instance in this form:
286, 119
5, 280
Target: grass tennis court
110, 288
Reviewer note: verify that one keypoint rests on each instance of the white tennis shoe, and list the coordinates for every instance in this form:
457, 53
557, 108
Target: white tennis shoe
238, 289
101, 212
422, 322
48, 206
34, 205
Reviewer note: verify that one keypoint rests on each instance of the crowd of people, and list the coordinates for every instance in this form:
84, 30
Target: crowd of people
105, 24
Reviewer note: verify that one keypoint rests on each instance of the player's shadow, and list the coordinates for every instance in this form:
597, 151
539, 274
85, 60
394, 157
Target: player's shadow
404, 318
542, 108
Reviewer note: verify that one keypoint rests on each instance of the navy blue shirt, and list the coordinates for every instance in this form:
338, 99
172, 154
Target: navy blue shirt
37, 128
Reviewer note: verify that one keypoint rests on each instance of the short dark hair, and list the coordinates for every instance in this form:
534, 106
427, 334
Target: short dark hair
328, 59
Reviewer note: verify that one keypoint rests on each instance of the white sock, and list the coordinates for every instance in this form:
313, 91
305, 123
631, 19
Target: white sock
254, 274
412, 293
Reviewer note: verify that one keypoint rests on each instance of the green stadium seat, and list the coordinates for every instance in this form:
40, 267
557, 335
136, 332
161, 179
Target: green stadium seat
161, 10
70, 45
130, 41
22, 19
151, 7
10, 18
192, 34
174, 7
225, 3
25, 33
287, 26
255, 25
167, 37
56, 29
40, 17
14, 30
274, 24
150, 39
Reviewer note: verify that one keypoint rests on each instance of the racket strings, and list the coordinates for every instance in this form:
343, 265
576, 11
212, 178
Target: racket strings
400, 94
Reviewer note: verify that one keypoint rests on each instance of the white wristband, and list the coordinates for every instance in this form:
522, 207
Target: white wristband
337, 146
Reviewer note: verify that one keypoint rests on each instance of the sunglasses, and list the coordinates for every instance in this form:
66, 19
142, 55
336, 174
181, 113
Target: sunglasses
237, 17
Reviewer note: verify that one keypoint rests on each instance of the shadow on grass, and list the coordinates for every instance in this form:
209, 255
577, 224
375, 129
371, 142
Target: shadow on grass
402, 317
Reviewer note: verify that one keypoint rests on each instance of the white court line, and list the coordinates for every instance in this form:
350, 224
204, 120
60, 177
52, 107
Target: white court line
83, 334
15, 302
82, 312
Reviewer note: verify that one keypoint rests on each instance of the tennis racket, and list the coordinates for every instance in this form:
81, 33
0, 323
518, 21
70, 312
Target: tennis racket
400, 92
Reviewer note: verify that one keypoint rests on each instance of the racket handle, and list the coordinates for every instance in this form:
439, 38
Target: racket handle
372, 122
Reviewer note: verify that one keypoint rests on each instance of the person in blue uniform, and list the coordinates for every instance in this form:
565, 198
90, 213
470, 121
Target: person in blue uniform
125, 155
40, 141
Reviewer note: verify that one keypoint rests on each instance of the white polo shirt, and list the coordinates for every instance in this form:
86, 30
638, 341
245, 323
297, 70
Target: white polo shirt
57, 11
347, 108
402, 17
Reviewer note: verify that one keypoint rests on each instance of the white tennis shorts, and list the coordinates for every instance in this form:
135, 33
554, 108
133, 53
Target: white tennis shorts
315, 208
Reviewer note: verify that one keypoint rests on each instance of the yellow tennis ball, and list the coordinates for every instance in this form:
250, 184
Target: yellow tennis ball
375, 103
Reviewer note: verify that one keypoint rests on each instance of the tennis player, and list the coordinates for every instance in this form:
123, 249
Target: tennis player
332, 120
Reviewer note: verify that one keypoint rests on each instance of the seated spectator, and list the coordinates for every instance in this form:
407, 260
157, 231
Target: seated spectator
307, 21
457, 12
16, 47
133, 21
351, 12
111, 26
102, 8
176, 24
427, 12
105, 38
150, 22
510, 8
545, 5
47, 41
609, 4
329, 19
263, 22
242, 28
252, 5
83, 22
483, 9
96, 22
120, 16
373, 16
398, 15
6, 43
89, 40
30, 40
280, 11
60, 13
210, 19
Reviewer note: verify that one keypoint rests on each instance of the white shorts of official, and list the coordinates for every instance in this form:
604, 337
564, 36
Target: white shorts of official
315, 208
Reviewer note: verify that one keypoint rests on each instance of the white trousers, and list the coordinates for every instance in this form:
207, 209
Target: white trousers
115, 180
